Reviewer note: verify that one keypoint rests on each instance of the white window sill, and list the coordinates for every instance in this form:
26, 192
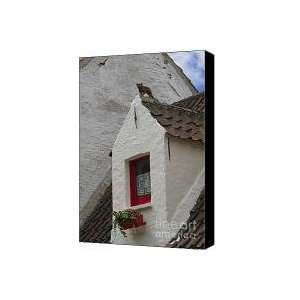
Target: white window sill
141, 206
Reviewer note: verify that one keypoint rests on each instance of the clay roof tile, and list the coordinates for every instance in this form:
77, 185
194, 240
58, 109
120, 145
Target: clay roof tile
183, 119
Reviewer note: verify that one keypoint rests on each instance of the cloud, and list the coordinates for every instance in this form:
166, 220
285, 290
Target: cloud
192, 64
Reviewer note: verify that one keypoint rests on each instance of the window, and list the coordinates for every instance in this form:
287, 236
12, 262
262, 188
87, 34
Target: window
140, 183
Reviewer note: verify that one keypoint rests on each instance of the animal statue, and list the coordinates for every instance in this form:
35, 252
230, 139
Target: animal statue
144, 90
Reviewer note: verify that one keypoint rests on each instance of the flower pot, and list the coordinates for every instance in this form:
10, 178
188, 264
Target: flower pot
139, 221
127, 224
134, 220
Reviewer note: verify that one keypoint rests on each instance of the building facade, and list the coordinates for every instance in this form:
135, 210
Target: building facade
107, 87
158, 167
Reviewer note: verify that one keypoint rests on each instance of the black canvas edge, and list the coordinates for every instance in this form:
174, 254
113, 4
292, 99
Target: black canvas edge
209, 150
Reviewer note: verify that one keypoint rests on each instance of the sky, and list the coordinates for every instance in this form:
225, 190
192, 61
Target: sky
192, 64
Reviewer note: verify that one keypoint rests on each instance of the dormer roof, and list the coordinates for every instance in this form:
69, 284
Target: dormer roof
183, 119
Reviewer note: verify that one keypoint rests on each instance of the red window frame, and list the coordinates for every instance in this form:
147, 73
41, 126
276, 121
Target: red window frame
134, 198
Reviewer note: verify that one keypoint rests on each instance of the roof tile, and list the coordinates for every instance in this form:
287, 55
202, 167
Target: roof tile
183, 119
97, 227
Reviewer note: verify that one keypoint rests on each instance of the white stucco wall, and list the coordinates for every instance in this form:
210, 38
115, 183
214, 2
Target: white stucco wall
106, 92
172, 181
132, 142
185, 205
185, 164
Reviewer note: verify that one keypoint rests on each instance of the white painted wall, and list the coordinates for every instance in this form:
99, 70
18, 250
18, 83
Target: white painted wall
171, 180
131, 142
185, 164
186, 204
184, 181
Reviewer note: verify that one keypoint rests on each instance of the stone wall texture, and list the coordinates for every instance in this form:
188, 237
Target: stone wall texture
107, 87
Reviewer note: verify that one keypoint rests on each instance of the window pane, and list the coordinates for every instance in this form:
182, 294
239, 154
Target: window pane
143, 182
142, 166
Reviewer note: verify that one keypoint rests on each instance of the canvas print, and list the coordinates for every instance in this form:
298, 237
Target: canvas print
146, 149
